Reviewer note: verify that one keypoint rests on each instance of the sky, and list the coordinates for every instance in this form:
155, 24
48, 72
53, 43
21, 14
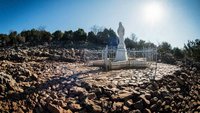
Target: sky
174, 21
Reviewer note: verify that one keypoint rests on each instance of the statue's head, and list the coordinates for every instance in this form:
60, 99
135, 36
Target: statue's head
120, 23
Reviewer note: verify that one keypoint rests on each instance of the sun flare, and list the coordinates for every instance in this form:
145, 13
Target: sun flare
153, 12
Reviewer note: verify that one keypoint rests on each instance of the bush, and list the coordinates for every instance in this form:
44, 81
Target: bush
168, 58
192, 49
178, 53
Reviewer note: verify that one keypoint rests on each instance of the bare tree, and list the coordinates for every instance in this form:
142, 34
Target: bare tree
97, 29
41, 28
133, 37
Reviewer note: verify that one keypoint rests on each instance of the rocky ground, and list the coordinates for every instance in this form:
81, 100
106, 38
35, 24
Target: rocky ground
43, 80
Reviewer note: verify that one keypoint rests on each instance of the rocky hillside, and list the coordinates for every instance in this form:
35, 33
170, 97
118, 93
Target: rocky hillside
46, 80
40, 53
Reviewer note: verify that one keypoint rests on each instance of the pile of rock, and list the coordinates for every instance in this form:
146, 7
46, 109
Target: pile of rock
14, 78
8, 86
22, 54
59, 87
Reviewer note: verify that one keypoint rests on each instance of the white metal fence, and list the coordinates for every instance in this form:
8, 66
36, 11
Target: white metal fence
149, 54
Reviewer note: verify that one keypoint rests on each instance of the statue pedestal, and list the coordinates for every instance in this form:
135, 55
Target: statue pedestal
121, 54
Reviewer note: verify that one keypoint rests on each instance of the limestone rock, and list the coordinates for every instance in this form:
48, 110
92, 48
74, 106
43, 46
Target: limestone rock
75, 107
138, 105
123, 96
54, 108
117, 106
91, 96
146, 101
77, 91
92, 106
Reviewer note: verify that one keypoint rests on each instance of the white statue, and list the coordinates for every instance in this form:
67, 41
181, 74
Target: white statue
121, 31
121, 54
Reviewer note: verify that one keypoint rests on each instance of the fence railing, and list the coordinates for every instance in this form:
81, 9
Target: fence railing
149, 54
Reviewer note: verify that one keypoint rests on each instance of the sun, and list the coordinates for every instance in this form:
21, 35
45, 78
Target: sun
153, 12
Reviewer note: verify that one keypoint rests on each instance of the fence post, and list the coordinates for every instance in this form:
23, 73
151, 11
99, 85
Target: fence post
105, 58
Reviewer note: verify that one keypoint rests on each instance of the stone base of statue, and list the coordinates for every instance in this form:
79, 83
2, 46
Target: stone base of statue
121, 54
